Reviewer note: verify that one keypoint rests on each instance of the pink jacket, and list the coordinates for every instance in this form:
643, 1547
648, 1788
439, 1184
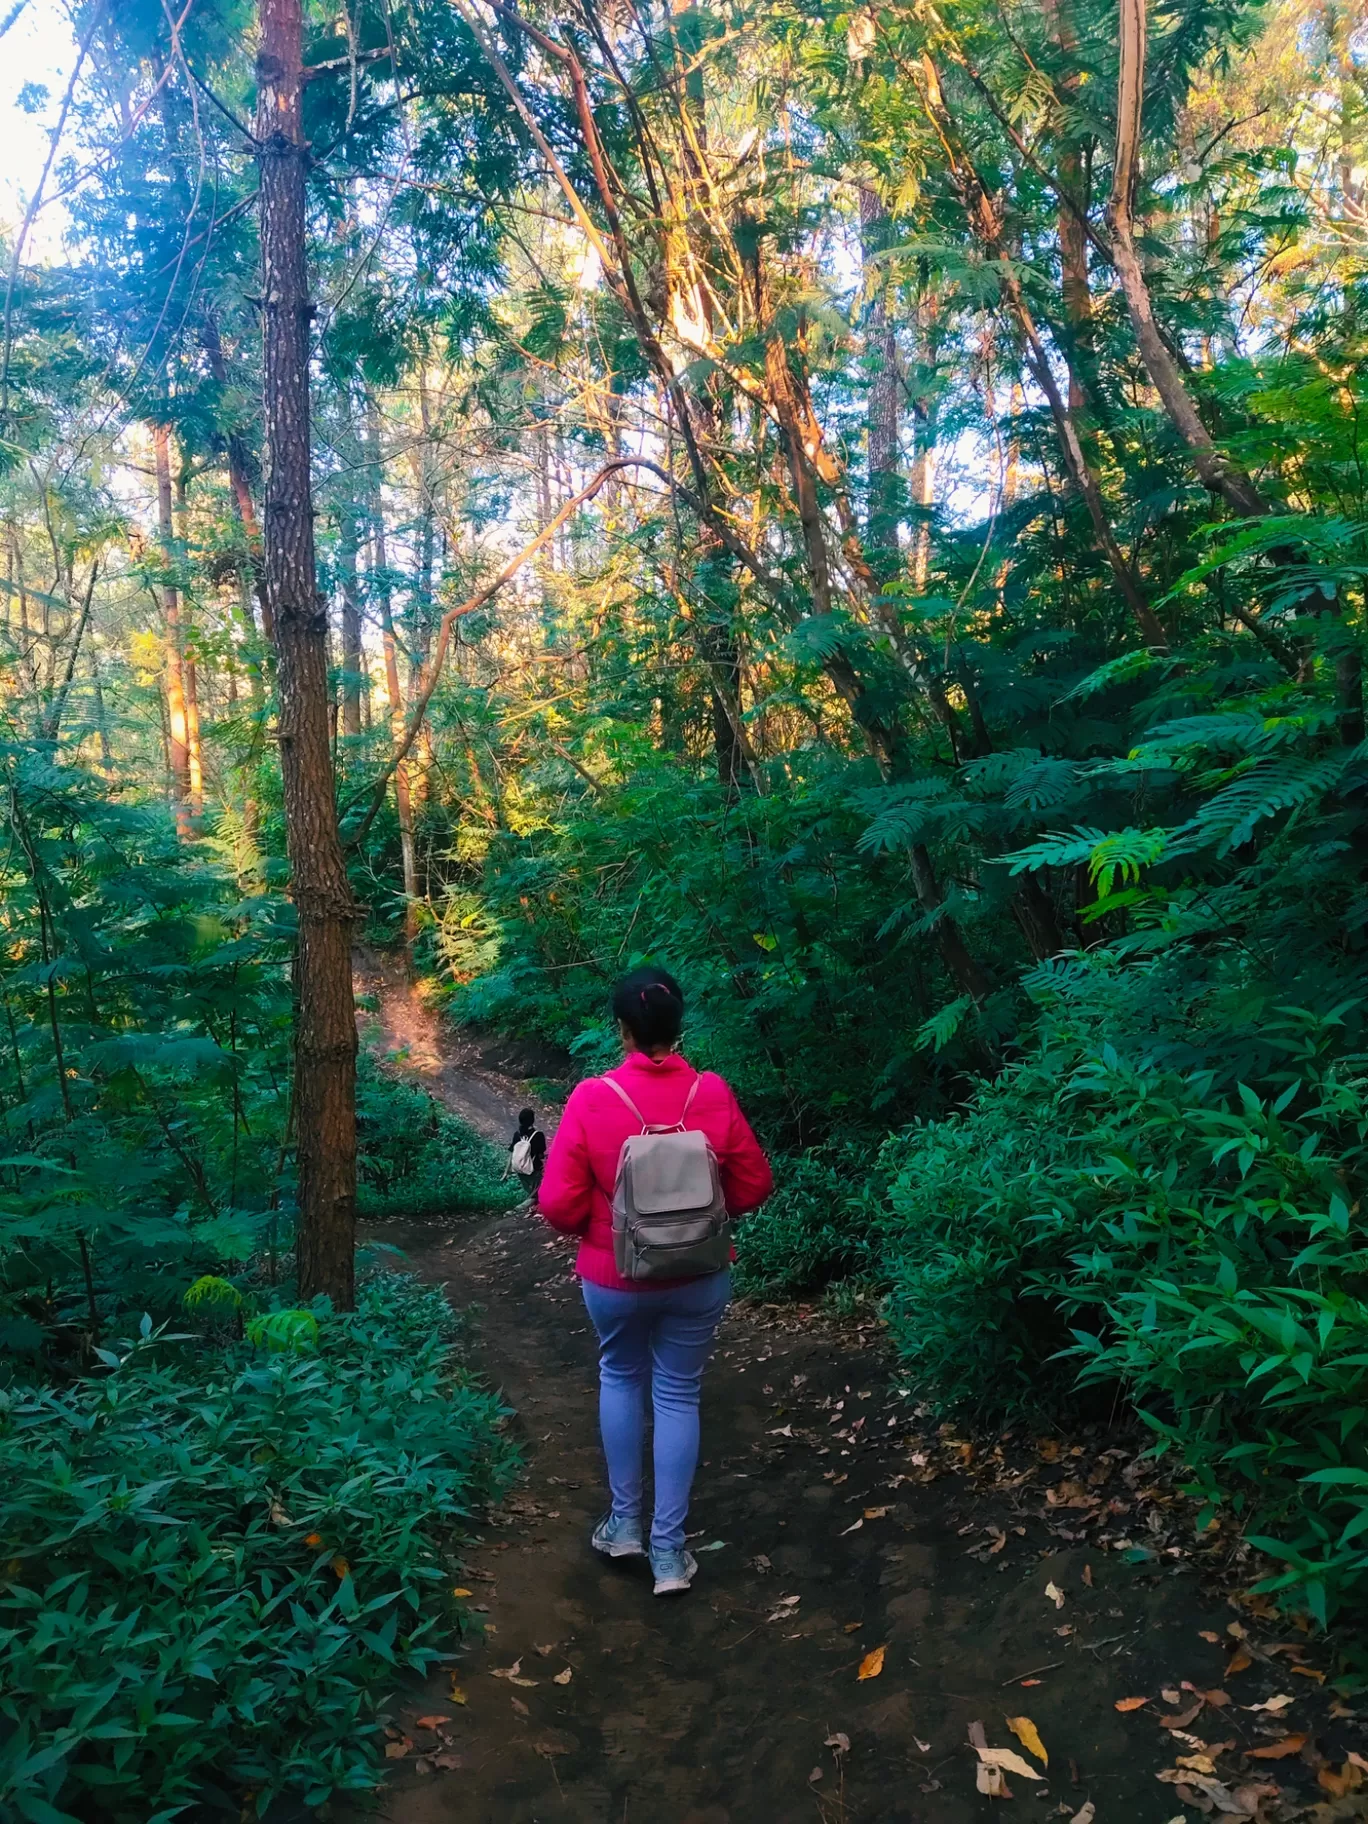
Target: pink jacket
576, 1194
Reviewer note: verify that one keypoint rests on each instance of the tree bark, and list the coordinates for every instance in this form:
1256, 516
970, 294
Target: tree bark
325, 1035
173, 639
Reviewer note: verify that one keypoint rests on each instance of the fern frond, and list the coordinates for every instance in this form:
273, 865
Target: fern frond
1287, 783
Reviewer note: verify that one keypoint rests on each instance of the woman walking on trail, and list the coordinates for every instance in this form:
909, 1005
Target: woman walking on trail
661, 1328
527, 1153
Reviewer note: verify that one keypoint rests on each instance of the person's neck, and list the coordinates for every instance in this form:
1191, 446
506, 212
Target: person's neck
661, 1051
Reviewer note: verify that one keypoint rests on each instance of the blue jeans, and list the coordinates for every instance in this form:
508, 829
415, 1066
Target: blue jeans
666, 1335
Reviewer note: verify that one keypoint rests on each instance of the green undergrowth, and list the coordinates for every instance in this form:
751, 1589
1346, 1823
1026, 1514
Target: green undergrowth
222, 1557
414, 1158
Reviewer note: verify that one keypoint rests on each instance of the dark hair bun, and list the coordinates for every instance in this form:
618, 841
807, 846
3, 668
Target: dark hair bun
650, 1004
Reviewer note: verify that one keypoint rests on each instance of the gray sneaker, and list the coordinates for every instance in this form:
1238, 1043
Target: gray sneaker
617, 1538
673, 1571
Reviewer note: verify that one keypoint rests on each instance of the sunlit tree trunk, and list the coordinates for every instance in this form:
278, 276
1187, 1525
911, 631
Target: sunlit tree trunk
348, 544
173, 638
882, 408
325, 1033
240, 483
194, 748
403, 803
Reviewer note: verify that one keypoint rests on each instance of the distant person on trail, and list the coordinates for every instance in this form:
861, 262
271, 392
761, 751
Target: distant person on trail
527, 1152
648, 1165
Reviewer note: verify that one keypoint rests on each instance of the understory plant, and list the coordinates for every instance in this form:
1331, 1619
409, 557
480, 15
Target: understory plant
1113, 1215
416, 1159
222, 1557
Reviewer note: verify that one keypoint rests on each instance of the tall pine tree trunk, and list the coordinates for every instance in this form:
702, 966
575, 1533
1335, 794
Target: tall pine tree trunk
347, 545
403, 803
194, 746
325, 1036
882, 415
173, 639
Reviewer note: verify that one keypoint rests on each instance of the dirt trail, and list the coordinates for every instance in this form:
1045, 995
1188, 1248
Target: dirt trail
821, 1538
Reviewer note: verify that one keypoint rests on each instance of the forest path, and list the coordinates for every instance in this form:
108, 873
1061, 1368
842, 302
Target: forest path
824, 1530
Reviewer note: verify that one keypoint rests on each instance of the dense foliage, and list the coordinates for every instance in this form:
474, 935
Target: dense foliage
925, 448
225, 1555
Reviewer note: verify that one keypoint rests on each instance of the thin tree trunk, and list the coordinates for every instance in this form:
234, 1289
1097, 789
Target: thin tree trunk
1217, 472
986, 223
240, 481
101, 721
194, 749
347, 545
403, 802
173, 639
882, 440
324, 1099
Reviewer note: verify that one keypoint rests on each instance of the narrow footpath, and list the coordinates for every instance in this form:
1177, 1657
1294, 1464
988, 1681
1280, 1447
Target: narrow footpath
872, 1588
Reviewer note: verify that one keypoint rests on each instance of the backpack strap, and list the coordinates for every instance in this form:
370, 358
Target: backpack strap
617, 1089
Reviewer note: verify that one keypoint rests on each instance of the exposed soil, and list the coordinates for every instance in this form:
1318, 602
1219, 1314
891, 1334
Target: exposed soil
824, 1531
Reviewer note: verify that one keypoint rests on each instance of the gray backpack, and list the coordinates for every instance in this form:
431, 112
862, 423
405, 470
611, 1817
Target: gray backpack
669, 1215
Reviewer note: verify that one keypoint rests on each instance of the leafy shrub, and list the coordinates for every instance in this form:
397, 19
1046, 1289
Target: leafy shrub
1106, 1216
416, 1159
818, 1226
219, 1560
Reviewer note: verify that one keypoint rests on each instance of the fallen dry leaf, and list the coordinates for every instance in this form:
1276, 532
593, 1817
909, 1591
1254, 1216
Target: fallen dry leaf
1197, 1763
1170, 1696
1206, 1634
877, 1513
838, 1741
456, 1695
432, 1722
850, 1529
1008, 1760
462, 1593
1087, 1578
1308, 1672
1183, 1718
395, 1751
1275, 1705
1125, 1704
1348, 1779
1029, 1736
873, 1663
448, 1763
563, 1678
1086, 1815
989, 1780
1055, 1594
1277, 1751
1238, 1662
520, 1706
815, 1775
